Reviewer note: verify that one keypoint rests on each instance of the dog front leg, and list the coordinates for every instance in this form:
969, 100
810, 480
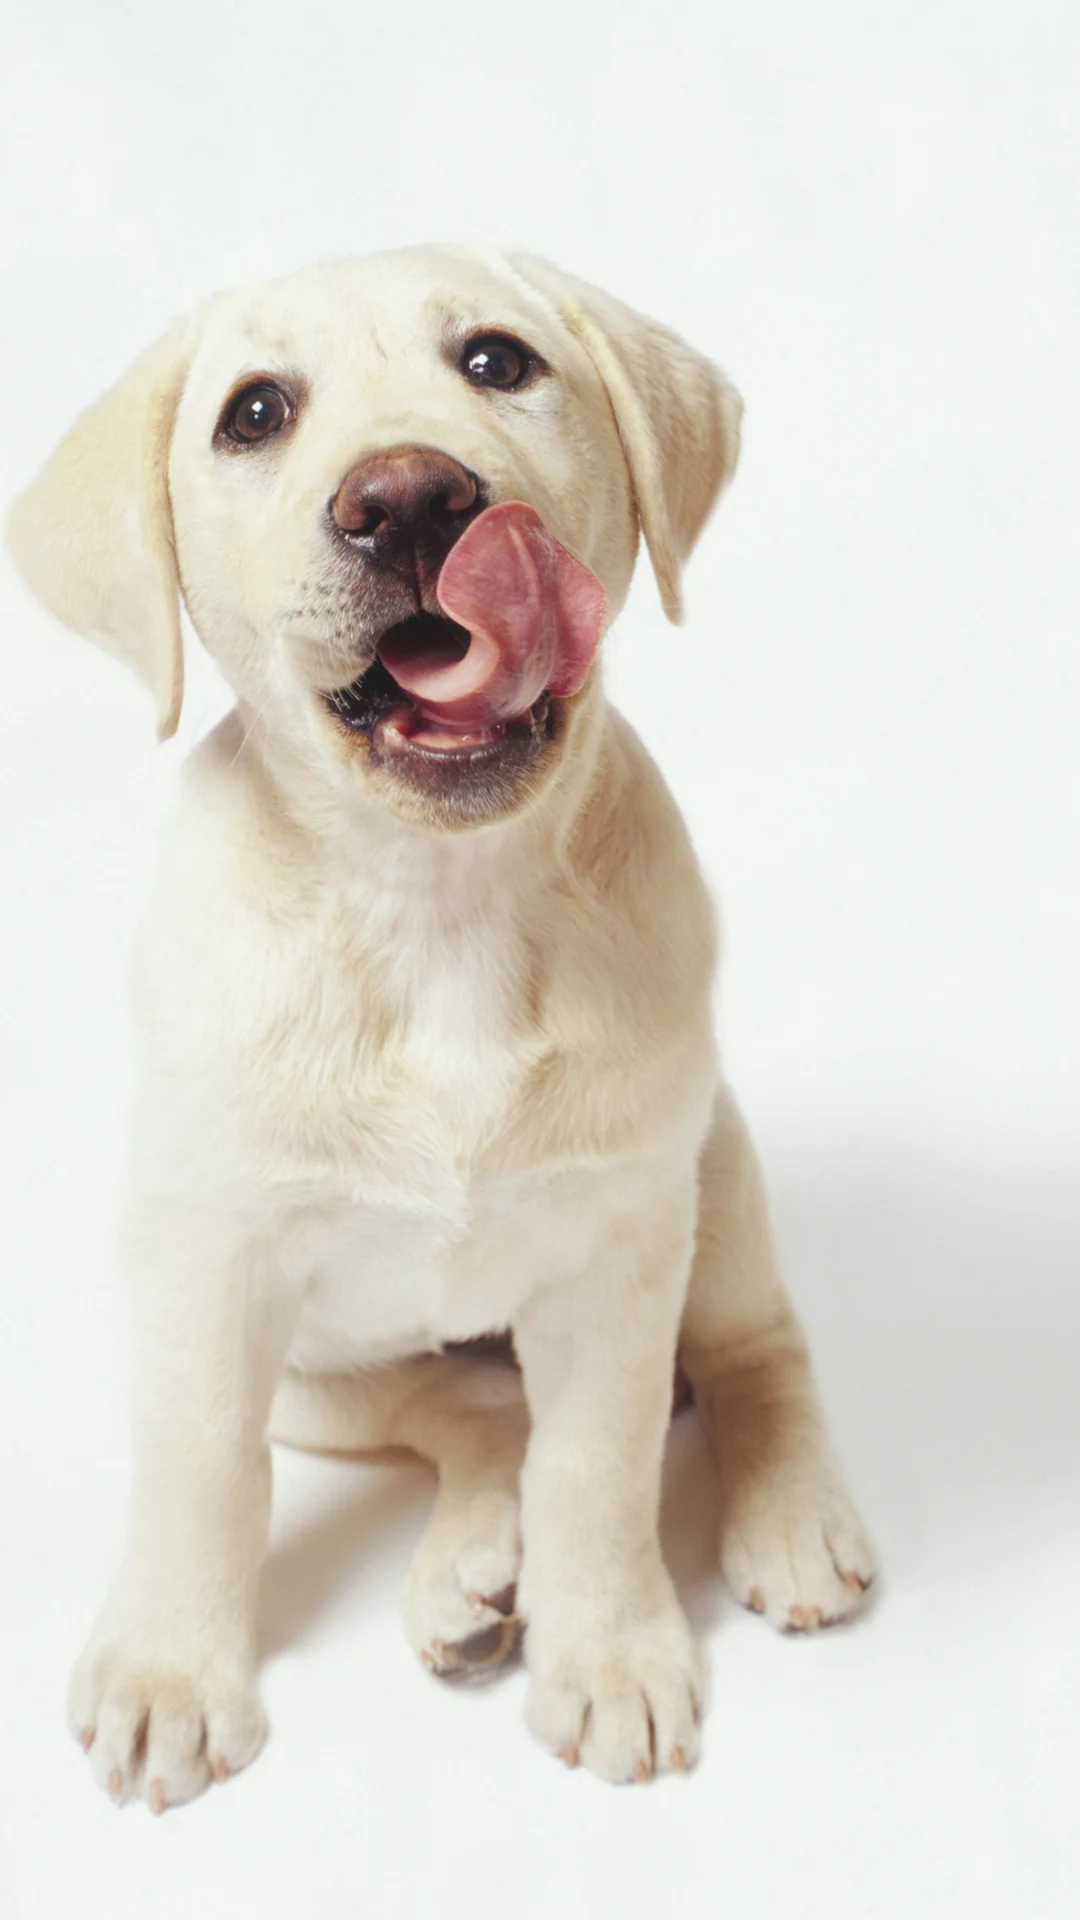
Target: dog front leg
791, 1543
615, 1674
164, 1696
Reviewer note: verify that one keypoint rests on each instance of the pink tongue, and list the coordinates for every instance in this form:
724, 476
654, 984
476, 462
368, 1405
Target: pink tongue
534, 615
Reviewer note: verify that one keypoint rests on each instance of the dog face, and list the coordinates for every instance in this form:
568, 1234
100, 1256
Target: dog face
299, 459
336, 435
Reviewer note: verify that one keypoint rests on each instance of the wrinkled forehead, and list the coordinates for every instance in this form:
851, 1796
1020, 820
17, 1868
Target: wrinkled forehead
362, 320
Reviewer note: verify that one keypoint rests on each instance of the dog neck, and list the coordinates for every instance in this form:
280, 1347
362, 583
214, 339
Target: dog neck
336, 822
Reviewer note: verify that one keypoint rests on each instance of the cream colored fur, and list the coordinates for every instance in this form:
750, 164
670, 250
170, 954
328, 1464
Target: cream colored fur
406, 1085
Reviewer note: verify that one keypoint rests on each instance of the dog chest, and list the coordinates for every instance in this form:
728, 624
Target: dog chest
374, 1048
395, 1279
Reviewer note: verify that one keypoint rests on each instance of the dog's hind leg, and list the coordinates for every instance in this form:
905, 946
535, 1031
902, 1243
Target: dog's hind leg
467, 1415
791, 1543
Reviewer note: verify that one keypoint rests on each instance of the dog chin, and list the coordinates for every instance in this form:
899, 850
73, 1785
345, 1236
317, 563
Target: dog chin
441, 778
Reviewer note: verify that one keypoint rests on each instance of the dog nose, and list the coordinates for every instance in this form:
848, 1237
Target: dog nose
405, 490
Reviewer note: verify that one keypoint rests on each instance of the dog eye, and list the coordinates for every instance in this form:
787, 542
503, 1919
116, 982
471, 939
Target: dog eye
256, 414
496, 361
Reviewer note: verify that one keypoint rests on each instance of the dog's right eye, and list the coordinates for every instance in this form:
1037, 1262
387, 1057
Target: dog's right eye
256, 414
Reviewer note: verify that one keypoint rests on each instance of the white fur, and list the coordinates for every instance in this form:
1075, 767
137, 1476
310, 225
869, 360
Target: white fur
407, 1084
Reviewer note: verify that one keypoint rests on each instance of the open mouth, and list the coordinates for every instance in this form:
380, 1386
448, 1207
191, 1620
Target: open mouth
466, 705
426, 648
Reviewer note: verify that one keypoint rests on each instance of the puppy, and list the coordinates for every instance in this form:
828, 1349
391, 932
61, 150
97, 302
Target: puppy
425, 1003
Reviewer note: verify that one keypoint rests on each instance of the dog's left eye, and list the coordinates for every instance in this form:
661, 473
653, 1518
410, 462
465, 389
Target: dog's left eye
257, 413
497, 360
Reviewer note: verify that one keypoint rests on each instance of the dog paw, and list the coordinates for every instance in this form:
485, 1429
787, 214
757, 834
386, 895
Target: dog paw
460, 1616
624, 1700
158, 1727
793, 1548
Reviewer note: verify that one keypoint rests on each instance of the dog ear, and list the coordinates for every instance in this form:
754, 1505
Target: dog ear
92, 535
678, 416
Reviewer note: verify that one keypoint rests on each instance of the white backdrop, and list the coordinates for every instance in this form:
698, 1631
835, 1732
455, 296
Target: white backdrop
868, 214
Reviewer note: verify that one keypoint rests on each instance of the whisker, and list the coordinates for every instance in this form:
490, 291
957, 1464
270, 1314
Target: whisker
259, 715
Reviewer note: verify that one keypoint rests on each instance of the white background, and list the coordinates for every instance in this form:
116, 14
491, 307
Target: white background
868, 213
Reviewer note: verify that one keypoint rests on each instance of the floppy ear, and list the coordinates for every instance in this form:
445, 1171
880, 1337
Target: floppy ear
92, 535
678, 416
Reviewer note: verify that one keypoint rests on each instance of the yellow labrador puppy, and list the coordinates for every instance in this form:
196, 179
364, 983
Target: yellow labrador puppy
425, 1000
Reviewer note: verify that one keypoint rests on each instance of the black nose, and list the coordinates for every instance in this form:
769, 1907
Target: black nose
404, 500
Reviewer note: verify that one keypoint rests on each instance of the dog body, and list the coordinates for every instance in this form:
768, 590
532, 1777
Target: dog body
418, 1083
426, 1014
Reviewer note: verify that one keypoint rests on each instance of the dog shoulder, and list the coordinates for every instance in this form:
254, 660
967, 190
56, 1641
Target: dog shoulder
230, 896
637, 869
624, 1008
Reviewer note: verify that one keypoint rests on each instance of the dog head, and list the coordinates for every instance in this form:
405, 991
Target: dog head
299, 460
